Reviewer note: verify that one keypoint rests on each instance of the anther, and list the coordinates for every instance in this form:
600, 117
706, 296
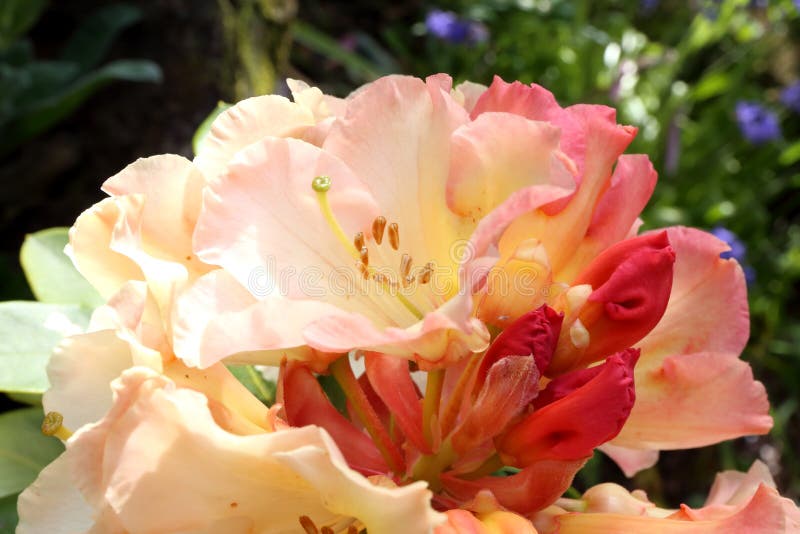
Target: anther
327, 530
380, 278
308, 525
394, 236
358, 240
352, 529
321, 183
425, 275
408, 280
364, 255
377, 228
405, 265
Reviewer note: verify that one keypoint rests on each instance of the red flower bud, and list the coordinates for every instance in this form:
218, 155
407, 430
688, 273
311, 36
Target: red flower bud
632, 281
535, 333
576, 412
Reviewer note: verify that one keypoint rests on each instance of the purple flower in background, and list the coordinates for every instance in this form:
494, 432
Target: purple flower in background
757, 123
648, 6
738, 250
790, 96
448, 26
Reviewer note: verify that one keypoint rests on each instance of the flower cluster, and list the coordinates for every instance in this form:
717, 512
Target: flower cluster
463, 263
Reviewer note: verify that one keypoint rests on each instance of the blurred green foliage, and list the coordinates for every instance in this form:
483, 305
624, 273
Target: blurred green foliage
35, 93
676, 70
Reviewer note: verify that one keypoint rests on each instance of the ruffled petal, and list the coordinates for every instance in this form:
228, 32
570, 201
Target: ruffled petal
157, 440
498, 154
249, 121
89, 238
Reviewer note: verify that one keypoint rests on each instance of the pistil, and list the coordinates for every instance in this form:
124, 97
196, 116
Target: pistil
321, 184
52, 425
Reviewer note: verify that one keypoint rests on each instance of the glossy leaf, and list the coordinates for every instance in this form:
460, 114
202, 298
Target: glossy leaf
51, 275
28, 333
24, 450
91, 41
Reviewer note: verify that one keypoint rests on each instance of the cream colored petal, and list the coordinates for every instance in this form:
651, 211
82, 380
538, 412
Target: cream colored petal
158, 440
80, 373
52, 504
106, 269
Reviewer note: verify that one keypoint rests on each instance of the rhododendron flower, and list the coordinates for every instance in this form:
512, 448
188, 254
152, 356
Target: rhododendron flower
475, 248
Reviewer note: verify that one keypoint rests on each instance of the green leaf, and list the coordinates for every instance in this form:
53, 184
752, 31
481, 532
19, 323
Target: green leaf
34, 399
202, 130
17, 17
91, 41
50, 273
24, 450
28, 333
8, 514
253, 380
38, 117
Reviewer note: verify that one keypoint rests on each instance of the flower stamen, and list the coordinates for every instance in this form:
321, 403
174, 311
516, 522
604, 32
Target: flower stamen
378, 226
405, 265
394, 236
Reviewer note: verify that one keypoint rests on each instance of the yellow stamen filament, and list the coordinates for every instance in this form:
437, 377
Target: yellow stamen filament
378, 226
394, 236
52, 426
321, 184
364, 255
405, 265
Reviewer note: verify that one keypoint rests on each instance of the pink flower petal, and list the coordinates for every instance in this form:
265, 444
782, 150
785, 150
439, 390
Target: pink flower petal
498, 154
707, 309
693, 400
247, 122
